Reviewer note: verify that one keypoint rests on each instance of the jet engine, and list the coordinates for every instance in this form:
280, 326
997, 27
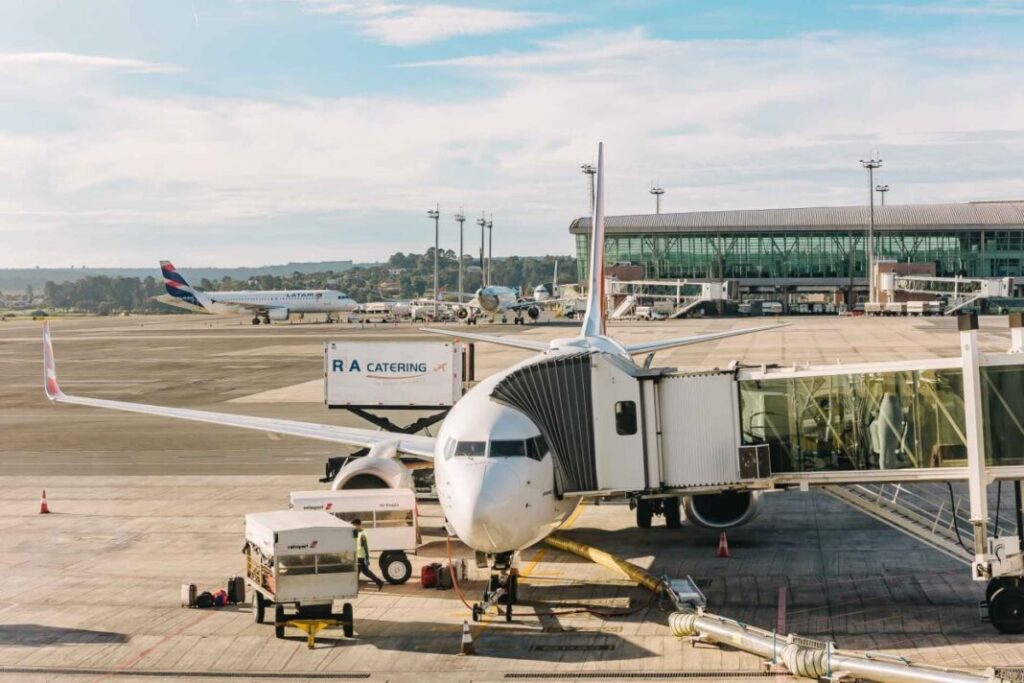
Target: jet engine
721, 510
461, 312
279, 314
373, 472
533, 312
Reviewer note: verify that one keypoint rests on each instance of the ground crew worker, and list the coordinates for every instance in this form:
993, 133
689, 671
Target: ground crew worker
363, 554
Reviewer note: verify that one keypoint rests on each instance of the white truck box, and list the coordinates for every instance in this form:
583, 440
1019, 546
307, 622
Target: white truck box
300, 556
392, 374
388, 515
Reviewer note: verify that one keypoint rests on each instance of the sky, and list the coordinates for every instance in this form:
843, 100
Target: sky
251, 132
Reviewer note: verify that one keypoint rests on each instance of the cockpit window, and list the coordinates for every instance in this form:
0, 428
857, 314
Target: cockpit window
508, 449
536, 448
471, 449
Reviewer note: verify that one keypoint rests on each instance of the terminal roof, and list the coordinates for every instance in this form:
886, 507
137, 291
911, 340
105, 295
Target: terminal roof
1001, 215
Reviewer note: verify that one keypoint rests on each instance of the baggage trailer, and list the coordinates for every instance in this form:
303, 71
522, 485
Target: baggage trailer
389, 519
299, 563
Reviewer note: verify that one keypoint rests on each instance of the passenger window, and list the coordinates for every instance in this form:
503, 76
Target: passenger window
508, 449
471, 449
625, 417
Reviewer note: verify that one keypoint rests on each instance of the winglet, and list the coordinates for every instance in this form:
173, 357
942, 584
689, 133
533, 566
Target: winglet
593, 321
50, 385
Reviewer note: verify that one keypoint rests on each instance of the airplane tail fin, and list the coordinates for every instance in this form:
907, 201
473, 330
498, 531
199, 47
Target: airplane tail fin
179, 288
593, 322
50, 385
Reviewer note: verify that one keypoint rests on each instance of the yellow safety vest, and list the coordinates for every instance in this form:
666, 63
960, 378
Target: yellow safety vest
362, 547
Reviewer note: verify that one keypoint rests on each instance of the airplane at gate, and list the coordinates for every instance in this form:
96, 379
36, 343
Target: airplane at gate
263, 305
495, 471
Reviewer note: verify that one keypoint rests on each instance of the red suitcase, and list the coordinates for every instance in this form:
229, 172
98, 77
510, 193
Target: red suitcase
428, 575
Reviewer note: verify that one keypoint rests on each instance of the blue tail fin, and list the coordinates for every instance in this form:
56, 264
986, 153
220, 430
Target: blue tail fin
177, 286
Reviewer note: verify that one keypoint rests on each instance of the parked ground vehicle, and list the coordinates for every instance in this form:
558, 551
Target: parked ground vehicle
389, 519
299, 563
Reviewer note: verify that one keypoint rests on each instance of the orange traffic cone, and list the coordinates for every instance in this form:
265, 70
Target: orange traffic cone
44, 509
723, 546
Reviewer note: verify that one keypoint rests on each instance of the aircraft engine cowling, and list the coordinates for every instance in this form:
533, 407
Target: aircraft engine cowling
280, 314
373, 473
461, 312
533, 312
721, 510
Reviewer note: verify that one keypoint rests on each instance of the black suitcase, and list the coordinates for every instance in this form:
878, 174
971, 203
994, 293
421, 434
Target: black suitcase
444, 578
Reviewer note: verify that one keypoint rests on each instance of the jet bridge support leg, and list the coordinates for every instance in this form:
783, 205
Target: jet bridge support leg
997, 560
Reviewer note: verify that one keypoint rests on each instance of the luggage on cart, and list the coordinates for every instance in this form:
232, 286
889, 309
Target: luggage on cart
444, 578
188, 595
428, 575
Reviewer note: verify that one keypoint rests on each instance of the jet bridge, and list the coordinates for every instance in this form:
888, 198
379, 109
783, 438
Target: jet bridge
615, 428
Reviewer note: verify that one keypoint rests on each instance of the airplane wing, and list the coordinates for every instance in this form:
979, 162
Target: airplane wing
503, 341
648, 347
409, 444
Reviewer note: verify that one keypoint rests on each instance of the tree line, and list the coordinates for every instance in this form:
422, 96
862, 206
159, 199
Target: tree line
404, 276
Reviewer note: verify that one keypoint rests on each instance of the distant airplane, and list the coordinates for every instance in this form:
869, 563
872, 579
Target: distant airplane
495, 300
263, 305
544, 293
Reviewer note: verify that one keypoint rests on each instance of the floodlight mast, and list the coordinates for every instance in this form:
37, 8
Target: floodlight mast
871, 165
482, 222
435, 215
882, 190
490, 246
460, 218
590, 170
657, 192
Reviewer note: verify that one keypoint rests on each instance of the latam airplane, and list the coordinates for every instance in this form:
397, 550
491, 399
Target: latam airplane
264, 305
494, 470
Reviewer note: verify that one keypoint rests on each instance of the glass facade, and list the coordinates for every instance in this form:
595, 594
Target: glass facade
824, 254
883, 420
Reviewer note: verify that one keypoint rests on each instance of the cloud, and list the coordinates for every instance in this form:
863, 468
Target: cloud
718, 123
994, 8
80, 61
407, 25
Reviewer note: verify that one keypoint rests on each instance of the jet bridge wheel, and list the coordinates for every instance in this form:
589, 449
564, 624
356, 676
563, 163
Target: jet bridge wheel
673, 511
644, 513
1006, 609
998, 582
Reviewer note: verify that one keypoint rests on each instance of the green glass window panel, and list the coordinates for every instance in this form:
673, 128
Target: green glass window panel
1003, 397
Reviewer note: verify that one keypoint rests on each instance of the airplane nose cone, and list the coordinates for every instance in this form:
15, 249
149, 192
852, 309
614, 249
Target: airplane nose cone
497, 522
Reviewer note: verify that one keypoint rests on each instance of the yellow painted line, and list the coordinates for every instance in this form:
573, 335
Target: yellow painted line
567, 524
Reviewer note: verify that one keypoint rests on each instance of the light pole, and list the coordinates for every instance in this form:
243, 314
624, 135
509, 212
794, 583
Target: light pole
871, 165
435, 215
461, 218
482, 222
657, 192
882, 190
590, 170
490, 246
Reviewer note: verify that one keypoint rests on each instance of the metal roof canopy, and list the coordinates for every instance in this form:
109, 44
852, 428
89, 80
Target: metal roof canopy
920, 217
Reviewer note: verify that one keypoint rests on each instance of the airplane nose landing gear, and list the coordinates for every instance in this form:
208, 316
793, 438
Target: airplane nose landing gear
502, 589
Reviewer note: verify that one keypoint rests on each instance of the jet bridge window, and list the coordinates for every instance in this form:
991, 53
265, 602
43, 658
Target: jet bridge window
508, 449
477, 449
625, 417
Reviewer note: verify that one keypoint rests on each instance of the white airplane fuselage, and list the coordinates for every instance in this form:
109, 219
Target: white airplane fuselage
500, 504
295, 301
493, 299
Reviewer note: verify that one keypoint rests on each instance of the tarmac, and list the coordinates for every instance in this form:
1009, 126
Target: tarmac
142, 504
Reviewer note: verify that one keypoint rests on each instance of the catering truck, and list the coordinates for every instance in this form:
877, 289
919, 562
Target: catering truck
300, 561
389, 520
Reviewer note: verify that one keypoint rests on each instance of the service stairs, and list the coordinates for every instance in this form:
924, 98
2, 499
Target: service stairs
928, 513
954, 305
625, 308
687, 305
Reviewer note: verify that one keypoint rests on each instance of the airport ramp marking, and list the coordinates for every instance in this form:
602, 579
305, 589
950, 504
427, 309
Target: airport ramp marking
136, 658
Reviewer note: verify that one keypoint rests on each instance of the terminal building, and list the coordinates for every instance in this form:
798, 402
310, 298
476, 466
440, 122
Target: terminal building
778, 253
